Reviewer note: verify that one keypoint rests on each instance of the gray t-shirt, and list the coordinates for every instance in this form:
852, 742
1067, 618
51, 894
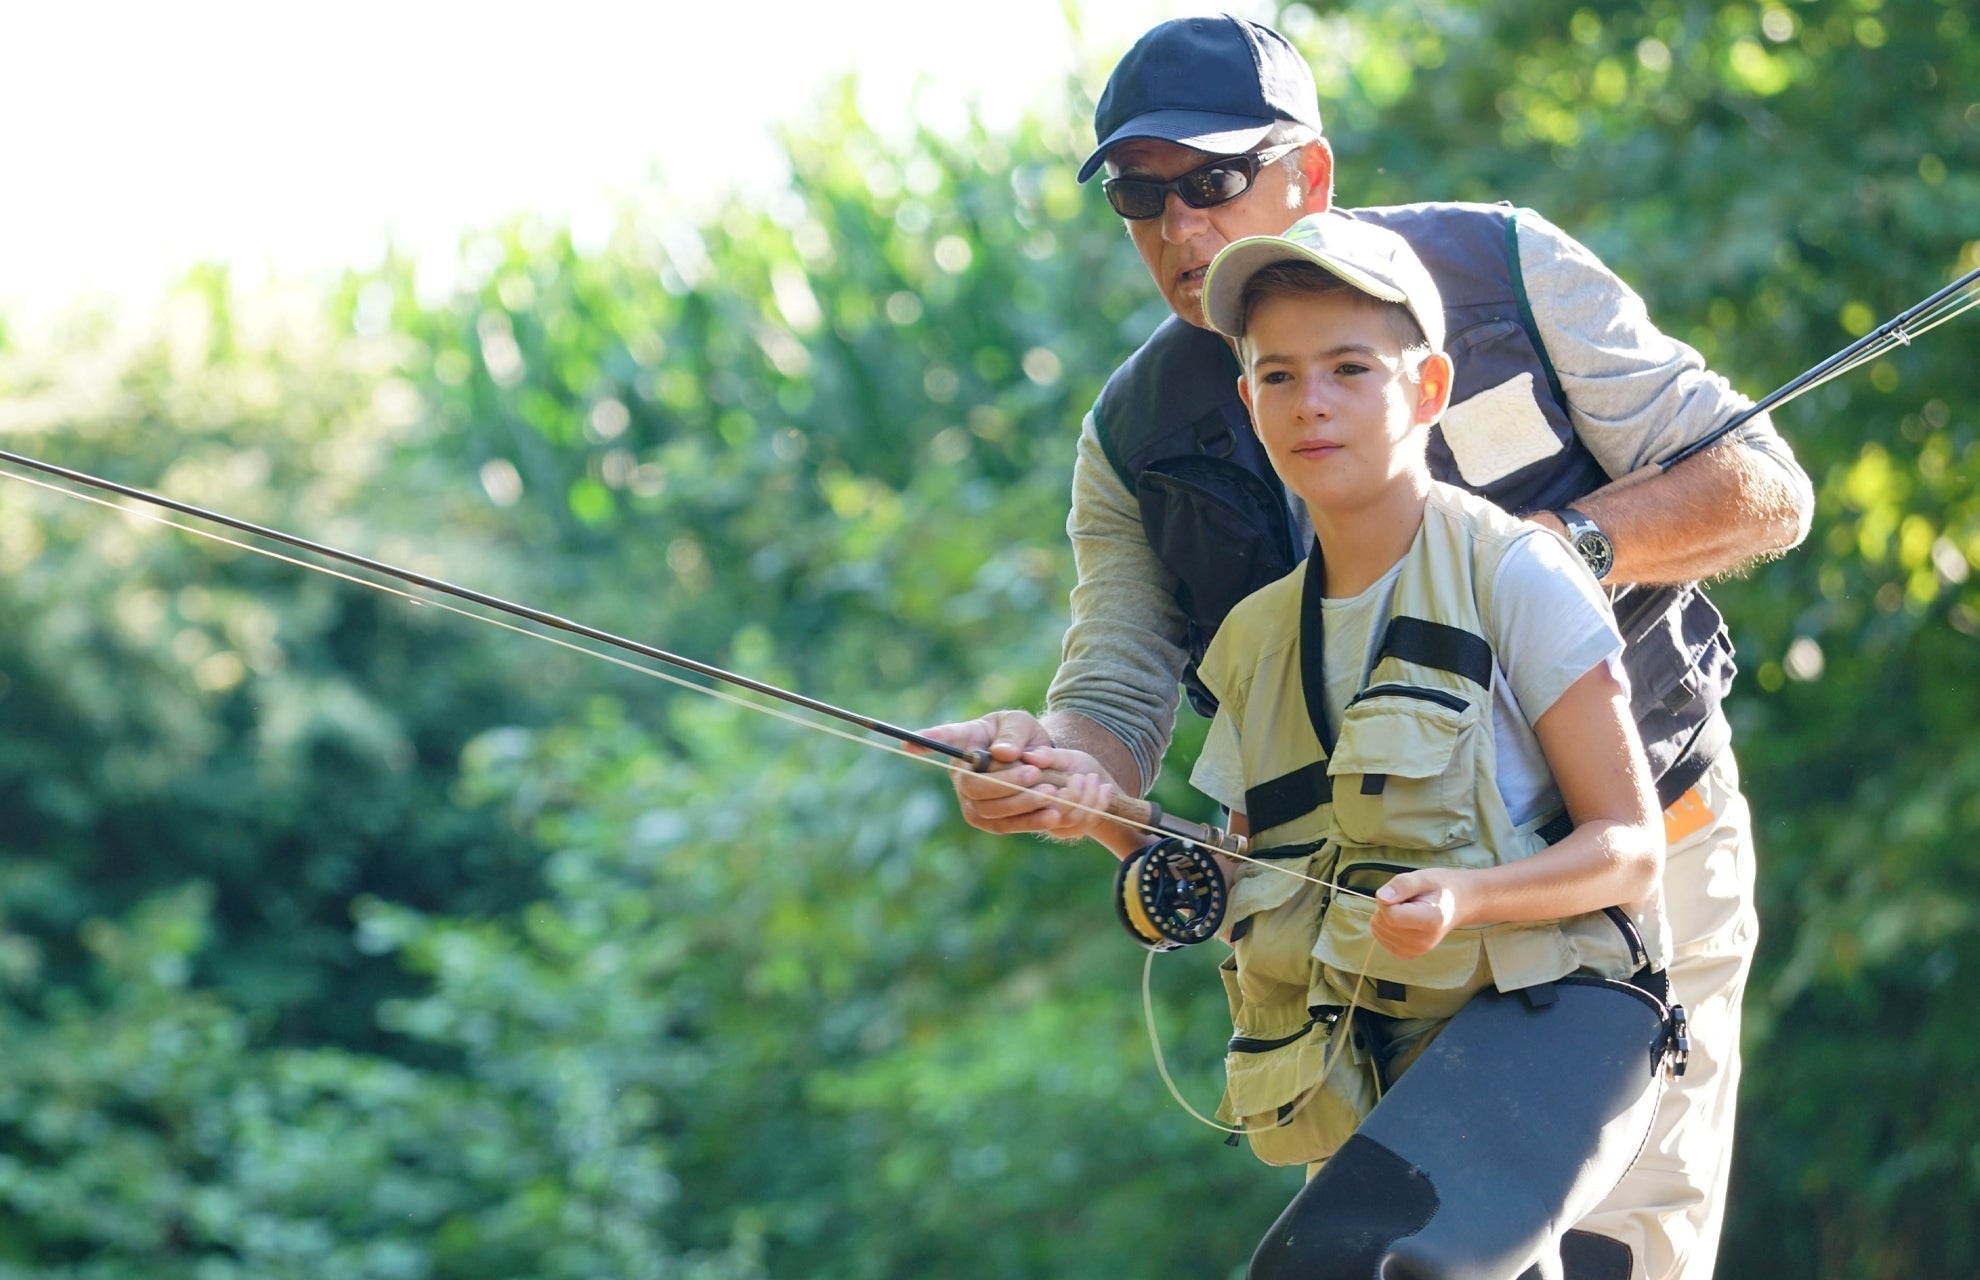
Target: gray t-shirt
1634, 395
1552, 627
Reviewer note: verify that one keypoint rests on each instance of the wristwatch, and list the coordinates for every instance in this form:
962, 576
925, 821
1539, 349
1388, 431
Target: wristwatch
1586, 537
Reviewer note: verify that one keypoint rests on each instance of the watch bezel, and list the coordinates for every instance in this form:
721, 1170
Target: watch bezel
1589, 542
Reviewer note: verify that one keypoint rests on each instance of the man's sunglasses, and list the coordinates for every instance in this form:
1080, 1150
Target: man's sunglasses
1204, 187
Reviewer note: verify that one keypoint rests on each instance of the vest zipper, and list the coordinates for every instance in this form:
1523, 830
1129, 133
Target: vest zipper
1438, 696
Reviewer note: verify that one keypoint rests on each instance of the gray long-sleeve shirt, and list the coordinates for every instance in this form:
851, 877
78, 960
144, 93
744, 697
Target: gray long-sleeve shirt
1635, 395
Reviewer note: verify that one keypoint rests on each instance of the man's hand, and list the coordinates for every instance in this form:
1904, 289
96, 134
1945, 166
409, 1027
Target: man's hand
1022, 749
1416, 910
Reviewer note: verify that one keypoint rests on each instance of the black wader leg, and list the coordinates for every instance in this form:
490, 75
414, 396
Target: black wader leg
1587, 1256
1513, 1124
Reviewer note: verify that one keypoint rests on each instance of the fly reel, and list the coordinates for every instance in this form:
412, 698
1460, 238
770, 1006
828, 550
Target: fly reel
1171, 894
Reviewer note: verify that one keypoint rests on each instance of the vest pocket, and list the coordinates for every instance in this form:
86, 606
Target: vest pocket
1270, 924
1359, 969
1596, 944
1394, 783
1293, 1082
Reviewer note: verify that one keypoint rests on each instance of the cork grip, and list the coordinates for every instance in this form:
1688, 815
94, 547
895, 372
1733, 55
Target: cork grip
1127, 808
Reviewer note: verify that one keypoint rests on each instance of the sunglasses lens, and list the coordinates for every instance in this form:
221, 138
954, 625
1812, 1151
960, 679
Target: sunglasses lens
1204, 188
1136, 198
1213, 184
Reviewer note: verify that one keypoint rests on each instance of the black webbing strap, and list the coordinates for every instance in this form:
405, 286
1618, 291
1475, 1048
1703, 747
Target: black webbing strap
1446, 648
1286, 852
1289, 796
1556, 829
1313, 648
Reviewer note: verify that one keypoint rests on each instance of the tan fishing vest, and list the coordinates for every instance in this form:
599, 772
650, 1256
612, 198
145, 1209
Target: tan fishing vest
1410, 782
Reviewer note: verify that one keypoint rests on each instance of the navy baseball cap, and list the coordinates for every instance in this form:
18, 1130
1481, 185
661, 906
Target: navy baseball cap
1217, 84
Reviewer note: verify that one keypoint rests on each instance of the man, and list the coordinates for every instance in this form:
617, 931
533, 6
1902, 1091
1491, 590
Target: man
1209, 132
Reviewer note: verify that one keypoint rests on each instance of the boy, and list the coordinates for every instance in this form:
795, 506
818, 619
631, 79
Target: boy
1426, 722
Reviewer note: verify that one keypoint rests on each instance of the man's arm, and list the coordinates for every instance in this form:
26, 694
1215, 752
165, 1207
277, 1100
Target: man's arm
1637, 396
1072, 731
1115, 695
1712, 514
1123, 656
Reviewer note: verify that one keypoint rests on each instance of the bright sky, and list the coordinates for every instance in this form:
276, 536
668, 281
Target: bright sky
141, 138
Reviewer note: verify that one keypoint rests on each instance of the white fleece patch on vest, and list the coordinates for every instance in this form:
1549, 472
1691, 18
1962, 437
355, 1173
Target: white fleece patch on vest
1498, 431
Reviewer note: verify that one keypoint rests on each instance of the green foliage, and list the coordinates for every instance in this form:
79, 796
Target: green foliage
341, 937
147, 1130
1775, 179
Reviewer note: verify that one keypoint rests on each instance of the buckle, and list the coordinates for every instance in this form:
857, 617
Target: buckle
1677, 1045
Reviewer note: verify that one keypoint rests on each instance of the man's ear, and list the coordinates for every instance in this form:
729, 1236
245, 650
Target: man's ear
1433, 388
1316, 167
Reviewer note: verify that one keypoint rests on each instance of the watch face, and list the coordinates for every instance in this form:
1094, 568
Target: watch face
1594, 547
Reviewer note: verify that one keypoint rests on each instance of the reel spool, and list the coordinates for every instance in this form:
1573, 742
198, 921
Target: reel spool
1171, 894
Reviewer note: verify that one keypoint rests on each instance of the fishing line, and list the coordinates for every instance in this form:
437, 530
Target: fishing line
1946, 304
720, 695
1339, 1038
1903, 336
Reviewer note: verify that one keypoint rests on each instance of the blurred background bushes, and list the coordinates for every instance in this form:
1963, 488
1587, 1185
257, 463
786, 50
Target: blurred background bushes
342, 937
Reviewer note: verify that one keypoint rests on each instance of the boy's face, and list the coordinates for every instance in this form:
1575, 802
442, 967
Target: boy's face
1340, 412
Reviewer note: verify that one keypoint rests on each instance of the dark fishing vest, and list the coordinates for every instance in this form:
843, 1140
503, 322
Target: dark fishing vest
1172, 425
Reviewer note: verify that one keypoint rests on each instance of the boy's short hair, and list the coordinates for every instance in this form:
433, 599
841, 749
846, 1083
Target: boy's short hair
1371, 259
1293, 278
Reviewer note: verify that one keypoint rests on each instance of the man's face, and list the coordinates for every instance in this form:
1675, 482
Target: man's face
1179, 245
1334, 400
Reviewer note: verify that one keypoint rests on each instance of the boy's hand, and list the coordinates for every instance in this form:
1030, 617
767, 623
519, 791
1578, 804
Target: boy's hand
1415, 911
1075, 809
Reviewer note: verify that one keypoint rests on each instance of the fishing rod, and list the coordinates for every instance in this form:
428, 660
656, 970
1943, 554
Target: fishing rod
1135, 813
1898, 331
1143, 814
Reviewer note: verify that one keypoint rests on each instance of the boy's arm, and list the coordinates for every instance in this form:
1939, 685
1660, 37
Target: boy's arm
1614, 855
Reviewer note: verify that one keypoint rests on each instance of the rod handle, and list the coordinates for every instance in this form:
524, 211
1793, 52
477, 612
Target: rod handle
1127, 808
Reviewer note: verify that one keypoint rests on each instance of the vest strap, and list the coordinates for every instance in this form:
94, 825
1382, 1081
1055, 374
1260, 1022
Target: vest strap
1289, 796
1313, 647
1286, 852
1435, 644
